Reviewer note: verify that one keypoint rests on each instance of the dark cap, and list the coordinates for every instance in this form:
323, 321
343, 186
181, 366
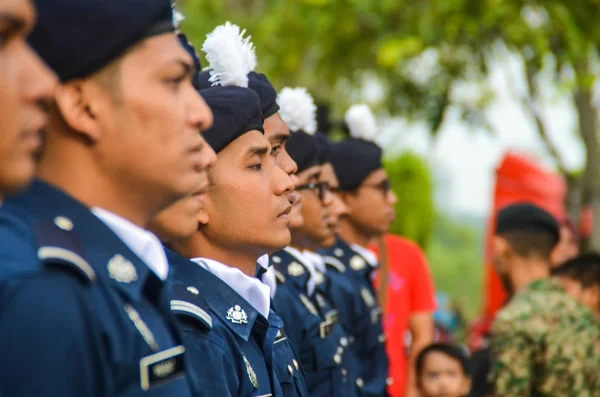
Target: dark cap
354, 160
236, 111
265, 90
303, 150
323, 147
78, 37
526, 217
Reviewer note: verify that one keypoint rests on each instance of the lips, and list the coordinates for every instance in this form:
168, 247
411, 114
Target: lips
285, 212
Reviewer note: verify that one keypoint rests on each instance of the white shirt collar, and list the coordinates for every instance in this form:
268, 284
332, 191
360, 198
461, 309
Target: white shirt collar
367, 254
263, 261
268, 277
310, 285
142, 242
250, 288
317, 260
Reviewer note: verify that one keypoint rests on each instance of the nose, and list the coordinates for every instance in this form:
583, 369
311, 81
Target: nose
209, 157
339, 207
283, 183
38, 79
287, 164
327, 199
201, 116
392, 198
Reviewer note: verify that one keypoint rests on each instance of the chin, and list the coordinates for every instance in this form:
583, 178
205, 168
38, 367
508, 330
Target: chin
327, 243
280, 241
16, 181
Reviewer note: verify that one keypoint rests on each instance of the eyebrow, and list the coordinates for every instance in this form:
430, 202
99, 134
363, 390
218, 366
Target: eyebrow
11, 24
316, 175
187, 67
257, 151
280, 137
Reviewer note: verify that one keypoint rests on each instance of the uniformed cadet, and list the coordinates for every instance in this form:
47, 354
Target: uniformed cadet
26, 85
231, 332
543, 342
310, 323
364, 188
81, 283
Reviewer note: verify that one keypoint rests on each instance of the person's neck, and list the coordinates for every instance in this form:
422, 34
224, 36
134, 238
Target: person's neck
299, 241
527, 272
198, 246
75, 173
351, 235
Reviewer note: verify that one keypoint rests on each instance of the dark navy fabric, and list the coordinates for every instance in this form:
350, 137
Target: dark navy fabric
351, 291
66, 326
311, 325
226, 359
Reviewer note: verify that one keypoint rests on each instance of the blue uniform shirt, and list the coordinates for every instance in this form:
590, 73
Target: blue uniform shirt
231, 346
80, 314
311, 324
351, 291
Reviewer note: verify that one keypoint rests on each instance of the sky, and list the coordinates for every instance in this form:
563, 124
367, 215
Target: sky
464, 158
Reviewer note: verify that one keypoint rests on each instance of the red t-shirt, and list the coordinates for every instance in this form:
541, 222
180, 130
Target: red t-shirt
410, 290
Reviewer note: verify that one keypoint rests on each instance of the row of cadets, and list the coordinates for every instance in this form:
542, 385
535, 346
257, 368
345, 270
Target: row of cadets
235, 342
310, 322
365, 190
82, 283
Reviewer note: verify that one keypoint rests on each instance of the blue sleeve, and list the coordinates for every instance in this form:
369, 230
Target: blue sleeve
17, 245
211, 370
47, 340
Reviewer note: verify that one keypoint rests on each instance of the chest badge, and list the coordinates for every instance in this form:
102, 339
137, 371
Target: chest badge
251, 373
295, 269
237, 315
357, 263
121, 269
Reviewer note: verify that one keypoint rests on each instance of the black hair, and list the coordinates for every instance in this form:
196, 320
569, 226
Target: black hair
584, 269
453, 351
528, 243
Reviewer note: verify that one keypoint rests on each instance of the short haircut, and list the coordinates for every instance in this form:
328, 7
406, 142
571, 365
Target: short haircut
453, 351
530, 243
584, 269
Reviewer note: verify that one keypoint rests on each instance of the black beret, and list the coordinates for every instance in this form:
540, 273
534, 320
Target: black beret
302, 149
78, 37
189, 48
265, 90
526, 217
354, 160
323, 147
236, 110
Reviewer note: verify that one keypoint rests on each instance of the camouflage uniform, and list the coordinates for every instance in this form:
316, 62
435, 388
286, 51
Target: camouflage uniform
545, 344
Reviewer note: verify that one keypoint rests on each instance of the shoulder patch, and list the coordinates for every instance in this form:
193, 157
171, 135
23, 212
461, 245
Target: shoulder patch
56, 256
186, 301
334, 263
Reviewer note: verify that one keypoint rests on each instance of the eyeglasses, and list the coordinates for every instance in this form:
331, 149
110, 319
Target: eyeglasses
384, 186
321, 188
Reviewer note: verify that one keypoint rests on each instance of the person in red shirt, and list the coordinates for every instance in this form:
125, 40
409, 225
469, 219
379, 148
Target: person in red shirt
406, 293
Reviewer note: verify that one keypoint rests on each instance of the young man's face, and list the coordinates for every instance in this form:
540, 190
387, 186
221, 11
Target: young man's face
371, 205
26, 85
146, 122
589, 296
337, 209
250, 198
443, 376
277, 133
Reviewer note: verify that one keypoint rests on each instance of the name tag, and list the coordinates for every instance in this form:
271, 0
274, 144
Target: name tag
162, 367
325, 329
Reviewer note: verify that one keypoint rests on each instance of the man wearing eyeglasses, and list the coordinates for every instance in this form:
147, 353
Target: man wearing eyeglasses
365, 190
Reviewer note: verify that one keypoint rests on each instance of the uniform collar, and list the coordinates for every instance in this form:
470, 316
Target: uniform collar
367, 254
250, 288
308, 265
142, 242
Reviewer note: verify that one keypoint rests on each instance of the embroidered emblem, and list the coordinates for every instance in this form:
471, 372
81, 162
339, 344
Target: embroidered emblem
367, 297
357, 263
309, 305
193, 290
276, 259
237, 315
338, 252
295, 269
63, 223
121, 269
251, 373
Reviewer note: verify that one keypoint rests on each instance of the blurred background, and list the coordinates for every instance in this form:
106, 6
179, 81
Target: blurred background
480, 103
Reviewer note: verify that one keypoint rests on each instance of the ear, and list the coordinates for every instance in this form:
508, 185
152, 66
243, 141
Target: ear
77, 101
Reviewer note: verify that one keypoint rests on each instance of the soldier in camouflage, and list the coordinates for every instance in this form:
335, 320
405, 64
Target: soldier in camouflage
544, 343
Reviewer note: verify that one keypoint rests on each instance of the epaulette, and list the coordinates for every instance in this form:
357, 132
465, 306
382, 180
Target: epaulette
335, 263
187, 301
58, 246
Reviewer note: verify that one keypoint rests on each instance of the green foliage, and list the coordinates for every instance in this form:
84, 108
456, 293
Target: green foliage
455, 258
412, 182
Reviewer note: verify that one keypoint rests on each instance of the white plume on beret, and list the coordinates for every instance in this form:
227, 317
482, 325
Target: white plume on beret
361, 122
178, 17
298, 109
230, 56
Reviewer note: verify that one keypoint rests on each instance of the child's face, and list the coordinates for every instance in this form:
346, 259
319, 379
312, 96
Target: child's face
589, 296
443, 376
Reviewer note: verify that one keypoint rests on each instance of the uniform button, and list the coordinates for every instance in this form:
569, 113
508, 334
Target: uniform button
340, 350
381, 338
344, 371
344, 341
337, 359
296, 364
291, 370
359, 382
389, 381
63, 223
